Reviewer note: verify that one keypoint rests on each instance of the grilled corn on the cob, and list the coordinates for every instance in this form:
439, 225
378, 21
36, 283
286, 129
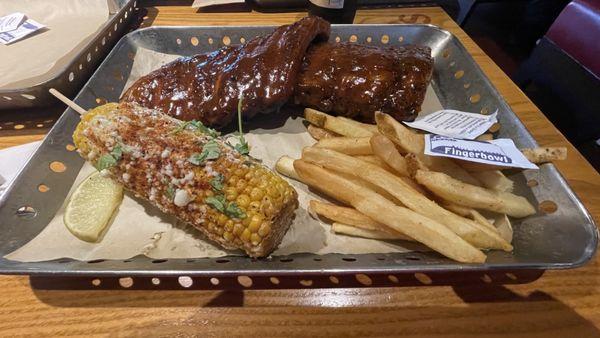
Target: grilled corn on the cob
185, 170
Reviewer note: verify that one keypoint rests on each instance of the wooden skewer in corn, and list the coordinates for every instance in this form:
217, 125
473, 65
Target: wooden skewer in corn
66, 101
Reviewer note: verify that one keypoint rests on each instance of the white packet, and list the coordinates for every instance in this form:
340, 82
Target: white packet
500, 152
22, 31
11, 21
454, 123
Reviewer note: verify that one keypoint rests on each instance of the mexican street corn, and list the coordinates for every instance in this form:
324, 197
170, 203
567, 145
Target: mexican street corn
186, 170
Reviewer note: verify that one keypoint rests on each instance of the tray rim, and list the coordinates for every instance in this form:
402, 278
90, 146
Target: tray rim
8, 269
112, 19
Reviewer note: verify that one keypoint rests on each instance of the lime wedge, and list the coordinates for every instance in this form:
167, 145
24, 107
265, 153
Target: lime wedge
91, 206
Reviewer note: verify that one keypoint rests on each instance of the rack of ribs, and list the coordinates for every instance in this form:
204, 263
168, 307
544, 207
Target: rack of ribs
346, 79
207, 87
356, 80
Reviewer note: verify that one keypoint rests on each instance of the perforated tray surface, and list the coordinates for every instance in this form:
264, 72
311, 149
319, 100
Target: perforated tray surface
565, 238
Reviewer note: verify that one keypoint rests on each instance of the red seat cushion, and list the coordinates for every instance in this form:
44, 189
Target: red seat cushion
577, 32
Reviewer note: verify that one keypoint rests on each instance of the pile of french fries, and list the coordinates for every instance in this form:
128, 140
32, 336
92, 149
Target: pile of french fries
393, 191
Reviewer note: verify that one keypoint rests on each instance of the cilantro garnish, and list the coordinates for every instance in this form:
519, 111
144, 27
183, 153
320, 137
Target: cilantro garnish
232, 210
217, 202
217, 182
105, 161
210, 151
199, 126
196, 126
117, 152
109, 160
170, 192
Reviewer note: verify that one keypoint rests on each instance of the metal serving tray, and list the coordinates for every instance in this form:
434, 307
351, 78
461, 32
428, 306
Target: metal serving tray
566, 238
74, 74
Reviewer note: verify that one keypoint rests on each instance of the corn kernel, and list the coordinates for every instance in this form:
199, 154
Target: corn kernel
273, 192
240, 172
238, 228
240, 185
221, 219
229, 225
246, 221
245, 235
255, 239
268, 206
263, 183
233, 180
256, 194
255, 223
264, 230
243, 200
249, 175
228, 236
247, 190
254, 206
231, 193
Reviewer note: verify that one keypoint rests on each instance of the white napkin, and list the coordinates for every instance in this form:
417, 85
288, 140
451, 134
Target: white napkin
12, 160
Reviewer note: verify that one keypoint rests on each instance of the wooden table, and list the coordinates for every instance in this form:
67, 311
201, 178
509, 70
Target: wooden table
559, 303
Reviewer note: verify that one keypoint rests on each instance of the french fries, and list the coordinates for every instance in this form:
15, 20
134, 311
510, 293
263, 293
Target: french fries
345, 215
469, 230
416, 226
338, 125
474, 167
485, 137
347, 145
494, 179
503, 225
469, 213
545, 154
411, 142
341, 228
285, 166
406, 139
385, 149
375, 160
477, 217
371, 127
319, 133
469, 195
413, 163
391, 187
349, 217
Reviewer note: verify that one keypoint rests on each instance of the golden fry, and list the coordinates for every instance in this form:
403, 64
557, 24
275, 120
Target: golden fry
411, 142
545, 154
406, 139
285, 166
485, 137
469, 230
340, 228
375, 160
472, 196
385, 149
320, 133
341, 126
347, 145
469, 213
421, 228
494, 179
504, 227
345, 215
